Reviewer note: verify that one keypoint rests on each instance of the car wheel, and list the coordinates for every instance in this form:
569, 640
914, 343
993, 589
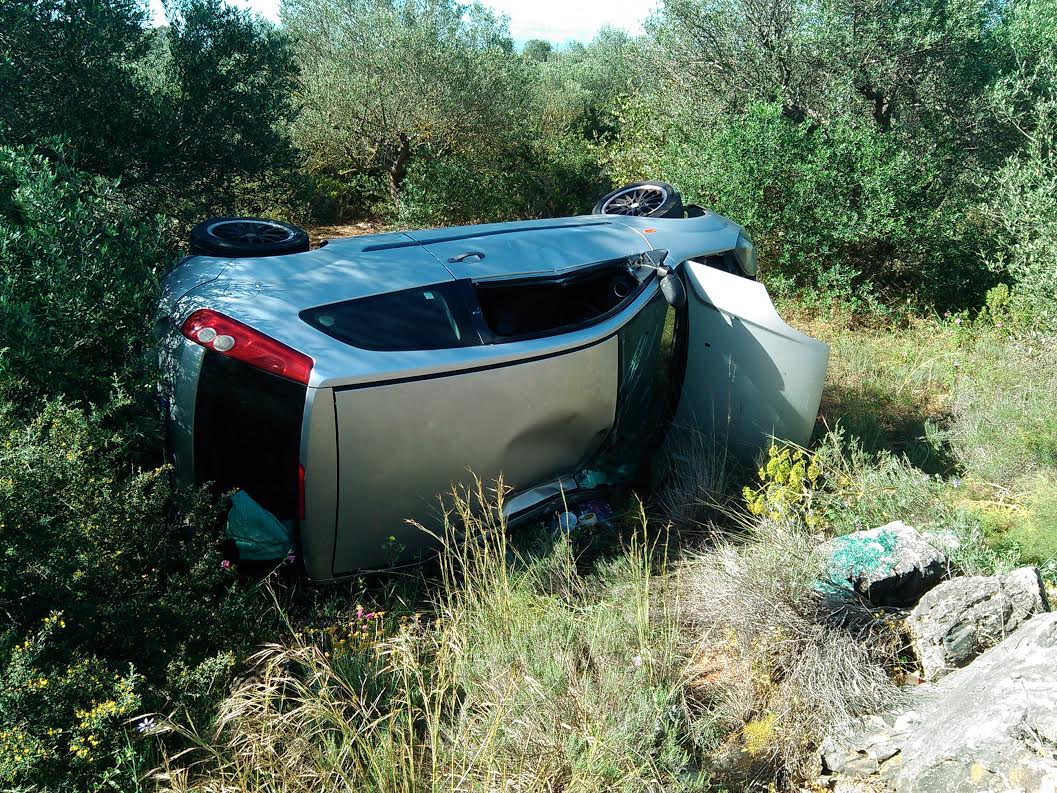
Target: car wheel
247, 237
642, 199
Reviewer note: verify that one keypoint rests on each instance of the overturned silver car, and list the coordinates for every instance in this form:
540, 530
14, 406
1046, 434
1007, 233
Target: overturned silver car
343, 388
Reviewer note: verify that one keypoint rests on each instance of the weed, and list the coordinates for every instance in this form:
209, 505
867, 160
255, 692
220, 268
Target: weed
1005, 416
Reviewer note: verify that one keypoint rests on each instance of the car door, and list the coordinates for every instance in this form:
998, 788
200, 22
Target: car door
749, 376
401, 445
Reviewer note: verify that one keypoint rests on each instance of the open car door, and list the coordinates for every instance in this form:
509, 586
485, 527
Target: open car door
749, 376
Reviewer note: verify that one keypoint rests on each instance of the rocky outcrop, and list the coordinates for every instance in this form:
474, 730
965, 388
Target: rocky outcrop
963, 617
892, 565
989, 726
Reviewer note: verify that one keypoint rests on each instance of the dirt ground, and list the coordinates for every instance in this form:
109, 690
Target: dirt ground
319, 233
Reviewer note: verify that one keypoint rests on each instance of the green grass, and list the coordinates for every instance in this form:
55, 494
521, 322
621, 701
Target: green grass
1004, 409
947, 425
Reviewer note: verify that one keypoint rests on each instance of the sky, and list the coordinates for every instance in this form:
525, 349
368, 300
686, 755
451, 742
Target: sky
556, 21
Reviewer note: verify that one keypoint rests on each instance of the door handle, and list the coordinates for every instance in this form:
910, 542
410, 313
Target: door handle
463, 256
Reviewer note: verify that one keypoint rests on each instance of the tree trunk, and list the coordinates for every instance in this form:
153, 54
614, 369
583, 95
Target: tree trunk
398, 169
882, 106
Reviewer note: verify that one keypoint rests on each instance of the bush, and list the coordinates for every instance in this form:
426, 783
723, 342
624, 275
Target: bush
110, 579
841, 209
71, 69
224, 100
550, 179
1024, 202
192, 117
79, 274
1022, 193
111, 584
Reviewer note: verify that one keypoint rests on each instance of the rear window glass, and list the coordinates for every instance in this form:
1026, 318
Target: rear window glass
434, 317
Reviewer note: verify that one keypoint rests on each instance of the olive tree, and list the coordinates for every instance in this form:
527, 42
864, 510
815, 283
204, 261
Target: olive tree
68, 68
1023, 192
190, 116
726, 55
537, 50
388, 82
224, 91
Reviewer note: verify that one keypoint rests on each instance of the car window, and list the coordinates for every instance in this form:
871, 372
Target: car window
434, 317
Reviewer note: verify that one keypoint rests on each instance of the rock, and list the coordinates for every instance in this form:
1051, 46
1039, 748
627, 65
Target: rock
837, 755
892, 565
882, 751
961, 618
988, 726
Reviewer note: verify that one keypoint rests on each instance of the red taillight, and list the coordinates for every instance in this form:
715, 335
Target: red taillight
301, 493
230, 337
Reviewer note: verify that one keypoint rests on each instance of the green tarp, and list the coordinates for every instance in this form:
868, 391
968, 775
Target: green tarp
257, 533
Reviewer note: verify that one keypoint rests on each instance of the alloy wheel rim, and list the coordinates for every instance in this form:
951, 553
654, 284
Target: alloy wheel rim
250, 232
636, 201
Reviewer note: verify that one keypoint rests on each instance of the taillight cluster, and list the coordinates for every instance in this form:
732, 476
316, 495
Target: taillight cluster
231, 338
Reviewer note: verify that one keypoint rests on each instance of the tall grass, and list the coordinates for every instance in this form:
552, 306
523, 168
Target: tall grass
528, 674
528, 667
1005, 413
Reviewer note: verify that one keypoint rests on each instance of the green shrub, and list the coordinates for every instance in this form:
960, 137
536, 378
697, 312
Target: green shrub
223, 102
113, 594
79, 277
1022, 192
1025, 528
558, 177
192, 117
71, 69
841, 209
1025, 203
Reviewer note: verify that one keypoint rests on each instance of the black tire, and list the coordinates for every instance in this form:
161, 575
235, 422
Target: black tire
247, 237
644, 199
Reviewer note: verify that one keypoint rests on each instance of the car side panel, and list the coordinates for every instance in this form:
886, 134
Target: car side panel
400, 444
319, 455
748, 374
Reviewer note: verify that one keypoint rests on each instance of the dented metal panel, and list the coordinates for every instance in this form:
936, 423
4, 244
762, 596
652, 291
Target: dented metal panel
400, 444
749, 375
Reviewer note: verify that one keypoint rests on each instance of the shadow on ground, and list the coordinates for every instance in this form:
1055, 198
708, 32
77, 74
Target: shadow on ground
880, 423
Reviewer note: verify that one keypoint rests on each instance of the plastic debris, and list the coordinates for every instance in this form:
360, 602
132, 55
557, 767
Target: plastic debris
258, 534
567, 521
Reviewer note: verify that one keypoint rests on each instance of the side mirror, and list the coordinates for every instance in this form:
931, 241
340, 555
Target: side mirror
673, 290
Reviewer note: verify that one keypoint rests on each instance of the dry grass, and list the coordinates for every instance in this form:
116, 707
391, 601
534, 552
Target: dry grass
694, 479
317, 234
777, 657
